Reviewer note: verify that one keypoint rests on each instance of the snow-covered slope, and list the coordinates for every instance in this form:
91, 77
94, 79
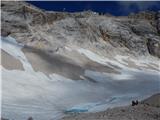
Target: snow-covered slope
30, 93
55, 63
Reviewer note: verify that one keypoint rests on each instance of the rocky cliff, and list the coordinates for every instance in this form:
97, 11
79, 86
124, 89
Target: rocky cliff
136, 34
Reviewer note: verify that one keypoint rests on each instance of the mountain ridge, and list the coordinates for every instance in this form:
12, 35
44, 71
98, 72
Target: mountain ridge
139, 33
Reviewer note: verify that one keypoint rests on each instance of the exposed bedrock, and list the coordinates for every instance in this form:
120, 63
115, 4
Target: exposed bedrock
136, 34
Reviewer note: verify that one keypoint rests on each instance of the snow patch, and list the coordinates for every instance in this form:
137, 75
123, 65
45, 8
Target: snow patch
10, 45
96, 75
119, 61
92, 56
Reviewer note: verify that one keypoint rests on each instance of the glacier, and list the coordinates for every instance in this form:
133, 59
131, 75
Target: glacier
30, 93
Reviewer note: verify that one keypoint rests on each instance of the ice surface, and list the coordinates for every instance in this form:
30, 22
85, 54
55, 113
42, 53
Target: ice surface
29, 93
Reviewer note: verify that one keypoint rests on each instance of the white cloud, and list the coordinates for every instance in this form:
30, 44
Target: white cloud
140, 5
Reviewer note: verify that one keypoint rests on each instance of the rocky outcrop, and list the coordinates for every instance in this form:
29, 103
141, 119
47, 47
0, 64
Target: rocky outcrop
149, 15
153, 45
137, 34
158, 21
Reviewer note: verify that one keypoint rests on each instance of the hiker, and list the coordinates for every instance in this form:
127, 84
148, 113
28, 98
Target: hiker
134, 102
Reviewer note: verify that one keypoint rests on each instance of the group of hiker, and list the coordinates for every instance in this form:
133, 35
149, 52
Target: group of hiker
135, 102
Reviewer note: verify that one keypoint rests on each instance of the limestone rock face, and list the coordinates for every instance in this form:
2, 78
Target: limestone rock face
158, 21
136, 34
154, 46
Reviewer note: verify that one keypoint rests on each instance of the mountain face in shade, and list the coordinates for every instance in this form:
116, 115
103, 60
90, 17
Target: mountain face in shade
55, 62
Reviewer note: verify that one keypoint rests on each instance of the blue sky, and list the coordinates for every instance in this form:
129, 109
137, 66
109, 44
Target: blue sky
117, 8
